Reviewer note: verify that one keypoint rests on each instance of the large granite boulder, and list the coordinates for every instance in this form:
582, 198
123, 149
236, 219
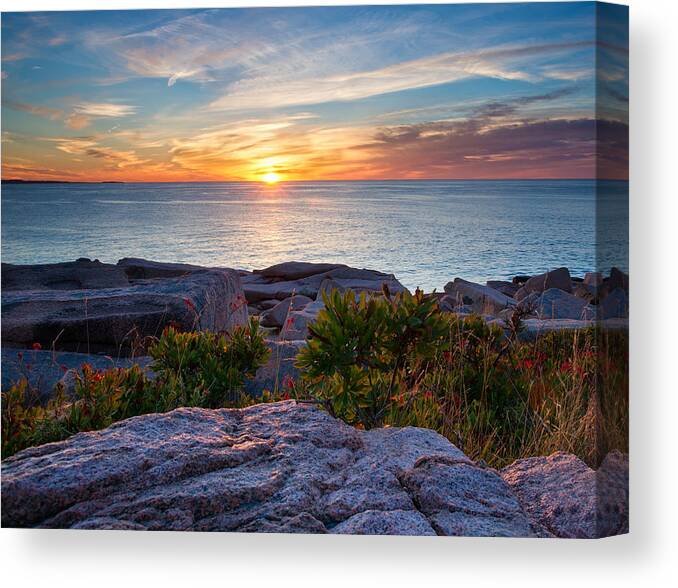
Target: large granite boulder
82, 274
569, 498
113, 319
261, 285
505, 287
139, 269
557, 304
295, 270
281, 467
482, 299
558, 278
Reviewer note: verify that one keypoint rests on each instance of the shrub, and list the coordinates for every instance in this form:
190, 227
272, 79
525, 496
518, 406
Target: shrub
208, 367
192, 369
362, 350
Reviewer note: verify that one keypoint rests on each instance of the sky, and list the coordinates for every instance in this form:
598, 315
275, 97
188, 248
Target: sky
484, 91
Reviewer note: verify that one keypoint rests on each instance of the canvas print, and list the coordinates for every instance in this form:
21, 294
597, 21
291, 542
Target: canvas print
345, 269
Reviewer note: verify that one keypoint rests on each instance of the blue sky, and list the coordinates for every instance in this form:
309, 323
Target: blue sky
429, 91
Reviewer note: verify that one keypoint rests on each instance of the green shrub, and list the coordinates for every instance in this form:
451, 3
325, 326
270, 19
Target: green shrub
362, 351
192, 369
209, 368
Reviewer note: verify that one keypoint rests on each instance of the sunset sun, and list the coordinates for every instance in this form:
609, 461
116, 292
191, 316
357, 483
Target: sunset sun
271, 178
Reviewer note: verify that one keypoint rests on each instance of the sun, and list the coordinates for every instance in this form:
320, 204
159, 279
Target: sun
271, 178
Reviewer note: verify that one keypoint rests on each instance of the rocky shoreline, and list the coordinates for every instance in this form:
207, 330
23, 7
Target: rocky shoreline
88, 311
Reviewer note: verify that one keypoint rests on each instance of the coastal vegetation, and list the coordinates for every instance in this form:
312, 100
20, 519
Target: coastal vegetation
393, 360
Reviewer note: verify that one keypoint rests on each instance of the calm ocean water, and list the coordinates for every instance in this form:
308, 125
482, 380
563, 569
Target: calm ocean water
425, 232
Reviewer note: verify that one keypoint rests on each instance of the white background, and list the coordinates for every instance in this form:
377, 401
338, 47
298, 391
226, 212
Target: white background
645, 557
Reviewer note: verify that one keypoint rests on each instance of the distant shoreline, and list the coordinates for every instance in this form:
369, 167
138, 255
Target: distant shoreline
16, 181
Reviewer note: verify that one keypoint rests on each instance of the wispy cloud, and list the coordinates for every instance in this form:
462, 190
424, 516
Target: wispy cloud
506, 63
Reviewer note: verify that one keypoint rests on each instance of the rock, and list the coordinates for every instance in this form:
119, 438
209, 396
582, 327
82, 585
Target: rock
617, 279
276, 316
136, 268
585, 292
520, 280
278, 368
44, 369
558, 278
111, 319
460, 498
557, 304
379, 522
594, 279
260, 287
294, 270
296, 326
82, 274
451, 304
278, 467
506, 288
482, 299
564, 495
614, 305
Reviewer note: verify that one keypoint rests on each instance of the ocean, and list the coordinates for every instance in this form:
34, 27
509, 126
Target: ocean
425, 232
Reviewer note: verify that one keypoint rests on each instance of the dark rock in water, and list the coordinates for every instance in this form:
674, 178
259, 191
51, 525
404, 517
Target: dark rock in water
112, 319
44, 369
570, 499
82, 274
520, 280
558, 278
594, 279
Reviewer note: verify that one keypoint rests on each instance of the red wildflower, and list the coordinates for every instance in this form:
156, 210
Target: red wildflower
288, 381
28, 367
20, 356
447, 355
566, 366
36, 346
188, 303
64, 368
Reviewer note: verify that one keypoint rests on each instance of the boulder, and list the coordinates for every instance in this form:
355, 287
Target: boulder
557, 304
594, 279
82, 274
295, 270
569, 498
614, 305
44, 369
296, 325
482, 299
258, 286
281, 467
277, 370
506, 288
276, 316
558, 278
617, 279
143, 269
463, 499
585, 292
112, 319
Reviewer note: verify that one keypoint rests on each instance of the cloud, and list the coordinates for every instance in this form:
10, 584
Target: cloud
103, 109
44, 111
528, 148
273, 91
